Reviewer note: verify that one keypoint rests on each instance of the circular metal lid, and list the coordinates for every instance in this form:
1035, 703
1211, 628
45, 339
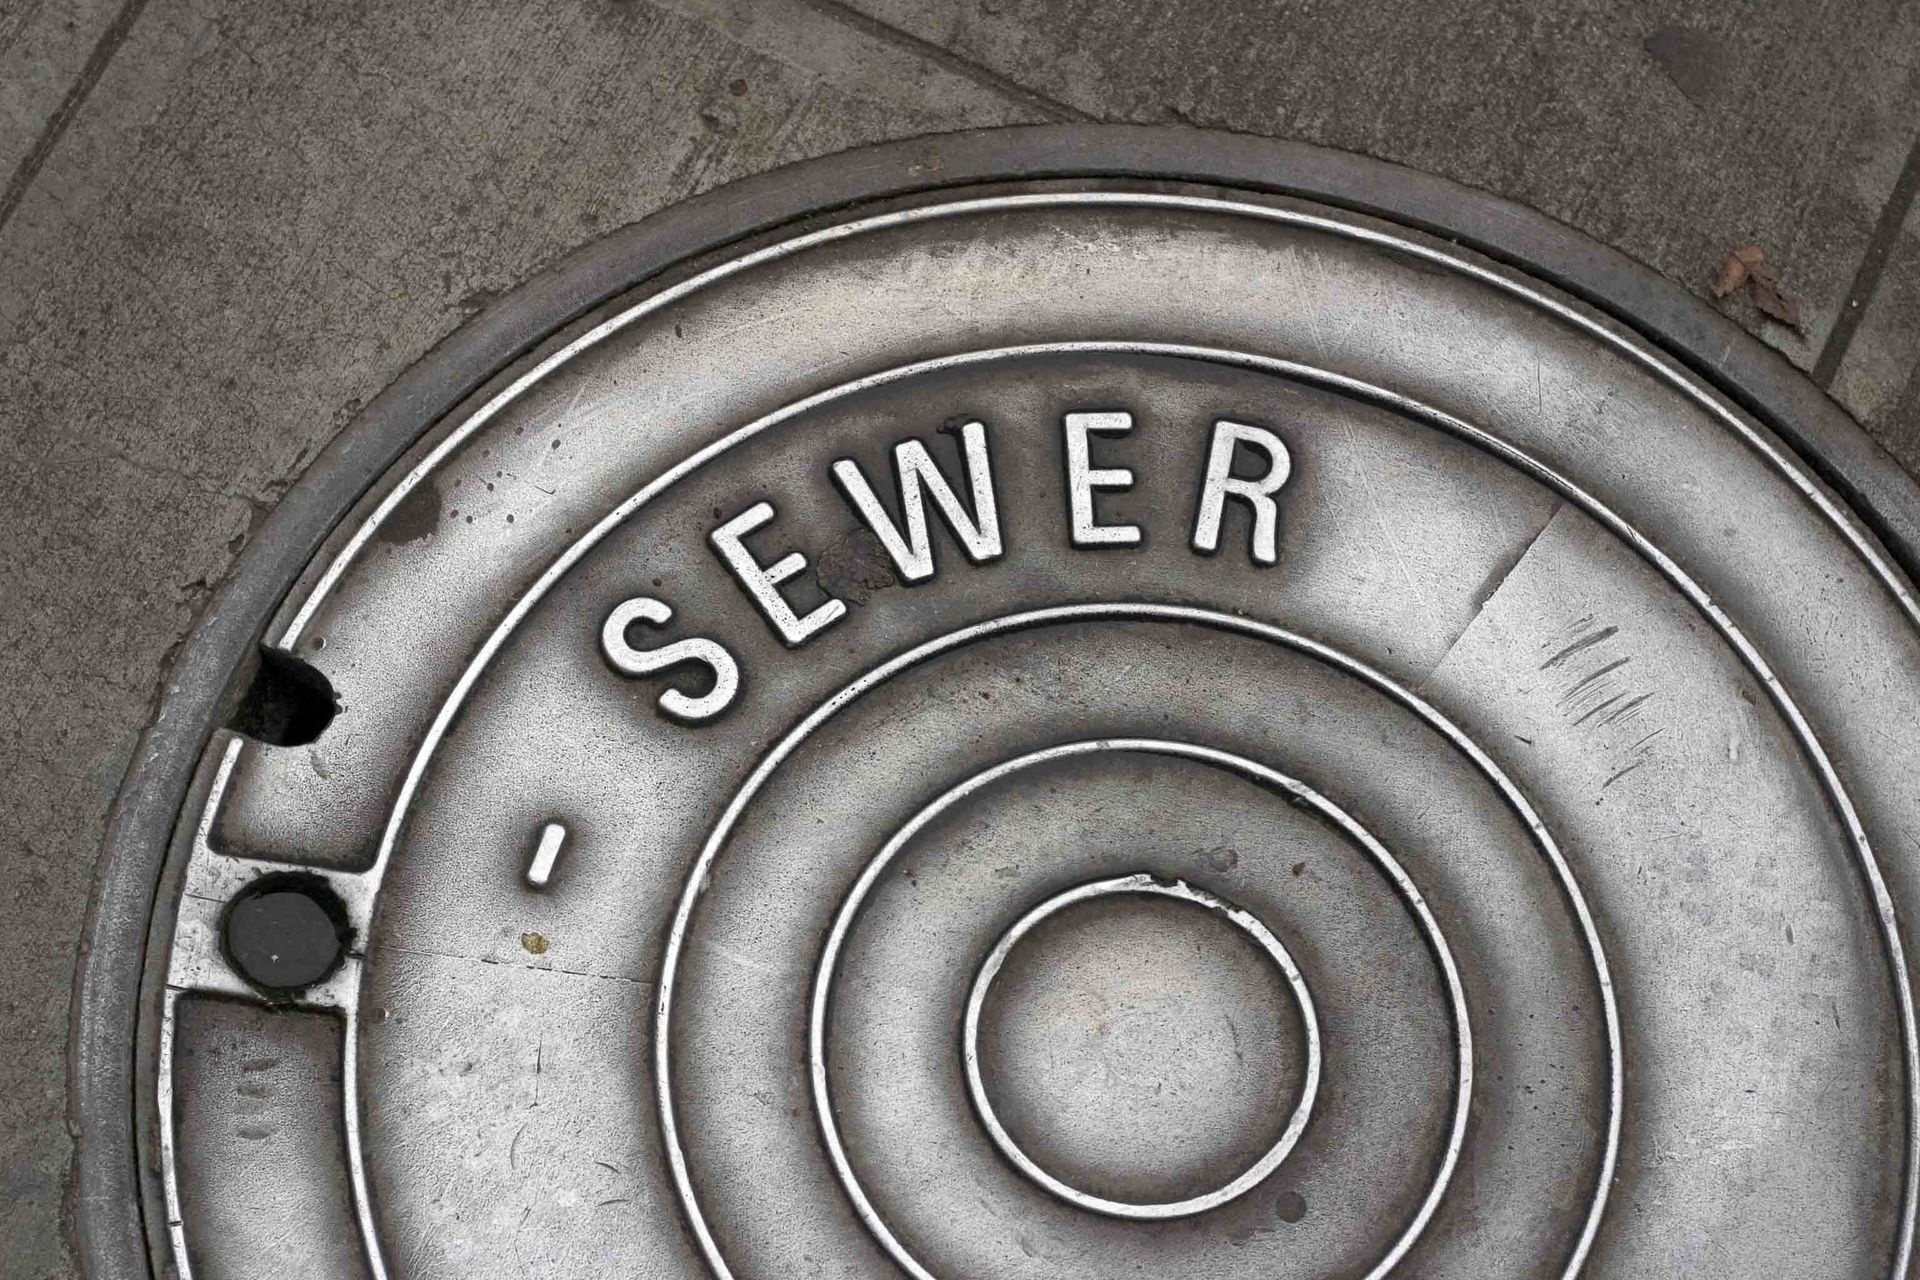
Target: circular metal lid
1071, 726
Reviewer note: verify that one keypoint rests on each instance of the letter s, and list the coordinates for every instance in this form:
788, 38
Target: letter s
627, 660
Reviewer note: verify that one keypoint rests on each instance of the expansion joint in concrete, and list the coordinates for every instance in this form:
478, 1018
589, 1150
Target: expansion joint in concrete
1873, 263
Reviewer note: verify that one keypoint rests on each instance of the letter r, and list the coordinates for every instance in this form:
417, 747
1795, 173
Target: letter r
1256, 492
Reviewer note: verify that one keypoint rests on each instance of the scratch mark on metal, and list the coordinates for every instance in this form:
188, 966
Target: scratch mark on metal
1584, 642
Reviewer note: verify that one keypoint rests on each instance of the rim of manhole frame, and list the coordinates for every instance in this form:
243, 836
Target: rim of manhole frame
105, 1197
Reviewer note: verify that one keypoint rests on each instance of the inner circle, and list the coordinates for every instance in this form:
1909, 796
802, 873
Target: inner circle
1296, 792
1258, 933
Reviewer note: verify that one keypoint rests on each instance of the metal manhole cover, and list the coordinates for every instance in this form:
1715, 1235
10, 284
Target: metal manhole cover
1053, 728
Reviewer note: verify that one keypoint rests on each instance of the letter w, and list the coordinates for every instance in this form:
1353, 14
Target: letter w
917, 477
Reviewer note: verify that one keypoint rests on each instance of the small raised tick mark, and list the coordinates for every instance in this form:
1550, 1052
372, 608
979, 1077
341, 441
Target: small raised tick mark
545, 854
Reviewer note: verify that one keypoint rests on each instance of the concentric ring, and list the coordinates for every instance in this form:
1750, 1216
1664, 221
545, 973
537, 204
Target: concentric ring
1294, 790
699, 879
1147, 884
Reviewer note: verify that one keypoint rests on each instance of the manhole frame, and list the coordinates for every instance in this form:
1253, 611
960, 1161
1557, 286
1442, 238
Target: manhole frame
106, 1220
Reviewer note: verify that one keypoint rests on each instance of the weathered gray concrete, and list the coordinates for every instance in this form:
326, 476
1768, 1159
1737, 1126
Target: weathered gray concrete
233, 223
44, 51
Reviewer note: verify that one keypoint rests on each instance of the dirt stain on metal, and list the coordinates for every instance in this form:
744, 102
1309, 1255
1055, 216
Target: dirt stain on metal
416, 517
855, 566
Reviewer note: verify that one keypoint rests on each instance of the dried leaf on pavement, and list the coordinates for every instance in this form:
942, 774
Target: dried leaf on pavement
1748, 267
1733, 274
1775, 303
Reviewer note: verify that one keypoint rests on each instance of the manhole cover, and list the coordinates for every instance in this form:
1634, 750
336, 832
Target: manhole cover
1048, 721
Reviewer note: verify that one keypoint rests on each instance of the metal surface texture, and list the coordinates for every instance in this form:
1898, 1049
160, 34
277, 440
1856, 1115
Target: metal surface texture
1065, 718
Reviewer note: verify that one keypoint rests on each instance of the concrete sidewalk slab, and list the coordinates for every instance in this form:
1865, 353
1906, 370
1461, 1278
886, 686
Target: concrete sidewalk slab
1674, 132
